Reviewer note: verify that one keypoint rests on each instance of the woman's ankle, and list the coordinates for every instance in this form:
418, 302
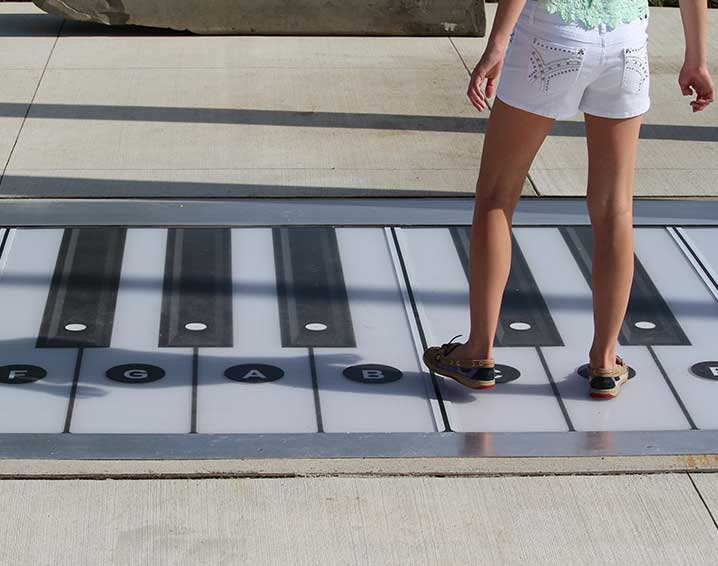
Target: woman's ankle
606, 360
477, 351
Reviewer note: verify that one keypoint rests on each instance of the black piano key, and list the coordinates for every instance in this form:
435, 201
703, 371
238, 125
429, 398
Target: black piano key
313, 304
649, 320
522, 306
197, 291
80, 307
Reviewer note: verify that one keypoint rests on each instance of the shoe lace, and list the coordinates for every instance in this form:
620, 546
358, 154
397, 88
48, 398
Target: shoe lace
447, 348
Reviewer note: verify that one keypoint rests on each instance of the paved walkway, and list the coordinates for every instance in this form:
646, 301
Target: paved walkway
589, 520
86, 111
139, 112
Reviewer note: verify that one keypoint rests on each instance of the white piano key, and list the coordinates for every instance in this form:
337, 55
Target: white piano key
442, 294
383, 337
646, 402
696, 309
282, 406
26, 270
103, 405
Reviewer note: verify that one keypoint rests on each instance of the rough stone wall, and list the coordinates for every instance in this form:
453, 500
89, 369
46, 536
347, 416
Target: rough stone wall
287, 17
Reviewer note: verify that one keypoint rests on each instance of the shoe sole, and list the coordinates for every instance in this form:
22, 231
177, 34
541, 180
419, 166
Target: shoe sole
471, 384
613, 393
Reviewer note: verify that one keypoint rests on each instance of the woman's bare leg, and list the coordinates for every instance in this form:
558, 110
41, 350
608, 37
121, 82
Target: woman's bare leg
612, 146
512, 139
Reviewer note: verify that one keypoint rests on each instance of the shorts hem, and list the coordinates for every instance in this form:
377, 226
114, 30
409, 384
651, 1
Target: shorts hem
616, 115
527, 108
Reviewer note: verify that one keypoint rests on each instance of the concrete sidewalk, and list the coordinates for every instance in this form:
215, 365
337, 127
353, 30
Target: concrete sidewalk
589, 520
91, 111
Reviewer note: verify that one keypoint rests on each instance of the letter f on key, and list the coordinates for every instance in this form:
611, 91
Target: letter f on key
14, 373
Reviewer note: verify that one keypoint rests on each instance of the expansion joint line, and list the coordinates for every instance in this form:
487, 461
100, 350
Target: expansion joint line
32, 101
468, 70
705, 504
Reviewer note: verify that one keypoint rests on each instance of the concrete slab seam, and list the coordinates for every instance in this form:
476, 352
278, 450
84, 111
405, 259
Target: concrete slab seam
266, 475
468, 70
705, 503
461, 58
32, 100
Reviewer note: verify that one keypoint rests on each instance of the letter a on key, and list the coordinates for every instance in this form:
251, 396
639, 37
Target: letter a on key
254, 374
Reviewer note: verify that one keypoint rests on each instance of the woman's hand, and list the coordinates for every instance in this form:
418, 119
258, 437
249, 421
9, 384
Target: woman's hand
489, 69
696, 80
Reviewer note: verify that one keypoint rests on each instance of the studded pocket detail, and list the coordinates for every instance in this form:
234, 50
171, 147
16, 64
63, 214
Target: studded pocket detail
554, 68
635, 69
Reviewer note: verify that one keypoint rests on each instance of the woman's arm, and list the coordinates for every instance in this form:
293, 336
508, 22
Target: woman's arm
694, 77
492, 60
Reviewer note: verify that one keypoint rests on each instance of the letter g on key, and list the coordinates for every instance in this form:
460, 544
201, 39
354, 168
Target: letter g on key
135, 373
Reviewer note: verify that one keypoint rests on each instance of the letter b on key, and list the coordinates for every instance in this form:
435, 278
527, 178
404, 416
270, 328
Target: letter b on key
706, 370
372, 373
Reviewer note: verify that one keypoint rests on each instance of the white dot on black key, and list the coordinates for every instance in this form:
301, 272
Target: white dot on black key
520, 326
316, 327
76, 327
196, 326
645, 325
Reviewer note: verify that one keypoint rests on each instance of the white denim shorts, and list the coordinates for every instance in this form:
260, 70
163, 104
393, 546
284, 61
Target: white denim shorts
556, 69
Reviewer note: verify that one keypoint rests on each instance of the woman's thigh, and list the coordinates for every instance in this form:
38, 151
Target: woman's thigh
512, 139
612, 148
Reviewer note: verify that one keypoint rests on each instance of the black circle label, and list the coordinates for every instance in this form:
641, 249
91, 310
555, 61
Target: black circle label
372, 373
505, 374
707, 370
135, 373
21, 373
583, 372
254, 373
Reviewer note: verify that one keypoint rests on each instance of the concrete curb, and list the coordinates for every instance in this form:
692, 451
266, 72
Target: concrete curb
407, 467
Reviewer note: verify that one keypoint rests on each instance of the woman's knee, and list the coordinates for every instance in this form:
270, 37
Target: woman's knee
499, 193
610, 208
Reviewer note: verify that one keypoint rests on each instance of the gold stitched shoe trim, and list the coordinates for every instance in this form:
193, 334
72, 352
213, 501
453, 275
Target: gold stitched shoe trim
616, 371
432, 359
441, 355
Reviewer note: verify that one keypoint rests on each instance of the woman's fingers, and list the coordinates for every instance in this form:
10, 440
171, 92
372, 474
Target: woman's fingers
704, 95
696, 82
686, 90
685, 87
699, 104
478, 102
490, 87
475, 95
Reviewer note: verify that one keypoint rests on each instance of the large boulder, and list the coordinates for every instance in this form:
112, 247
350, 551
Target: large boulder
289, 17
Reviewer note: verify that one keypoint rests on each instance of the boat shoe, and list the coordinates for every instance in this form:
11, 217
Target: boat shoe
606, 383
476, 374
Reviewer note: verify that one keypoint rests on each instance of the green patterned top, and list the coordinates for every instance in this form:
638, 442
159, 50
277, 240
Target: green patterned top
591, 13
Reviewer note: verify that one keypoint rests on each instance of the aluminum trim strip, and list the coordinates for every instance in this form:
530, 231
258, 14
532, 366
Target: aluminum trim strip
328, 212
353, 445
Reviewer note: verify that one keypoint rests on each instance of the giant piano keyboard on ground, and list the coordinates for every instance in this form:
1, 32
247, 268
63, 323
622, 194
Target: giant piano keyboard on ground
269, 332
